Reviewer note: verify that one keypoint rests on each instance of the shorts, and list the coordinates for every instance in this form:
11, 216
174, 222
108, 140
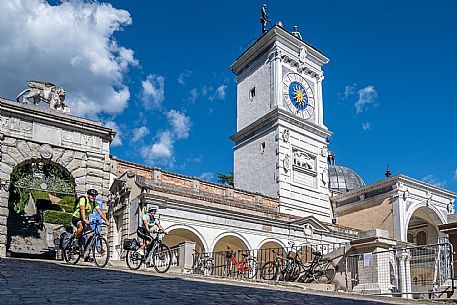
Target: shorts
144, 234
75, 220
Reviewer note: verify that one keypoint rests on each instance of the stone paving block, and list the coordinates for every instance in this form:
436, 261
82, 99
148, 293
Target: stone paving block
57, 285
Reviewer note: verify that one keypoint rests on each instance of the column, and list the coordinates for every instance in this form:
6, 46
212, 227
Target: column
403, 275
277, 80
320, 104
408, 274
186, 249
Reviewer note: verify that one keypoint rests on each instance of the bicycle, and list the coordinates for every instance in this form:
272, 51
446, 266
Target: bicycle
319, 270
95, 244
271, 269
156, 253
248, 265
202, 263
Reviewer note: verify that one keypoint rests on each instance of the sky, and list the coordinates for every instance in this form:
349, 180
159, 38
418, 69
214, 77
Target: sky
157, 72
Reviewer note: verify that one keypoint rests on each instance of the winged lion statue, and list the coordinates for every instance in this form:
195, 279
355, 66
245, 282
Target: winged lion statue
46, 92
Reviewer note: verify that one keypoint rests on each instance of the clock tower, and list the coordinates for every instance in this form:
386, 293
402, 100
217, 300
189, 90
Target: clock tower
281, 140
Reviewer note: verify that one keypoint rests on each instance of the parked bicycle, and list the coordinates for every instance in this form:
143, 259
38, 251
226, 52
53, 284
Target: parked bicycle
319, 270
202, 263
272, 269
157, 254
248, 265
95, 247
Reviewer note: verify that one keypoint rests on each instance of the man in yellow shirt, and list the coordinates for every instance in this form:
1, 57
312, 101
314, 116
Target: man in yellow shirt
80, 217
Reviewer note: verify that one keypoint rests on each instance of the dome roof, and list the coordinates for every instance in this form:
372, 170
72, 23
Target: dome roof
343, 179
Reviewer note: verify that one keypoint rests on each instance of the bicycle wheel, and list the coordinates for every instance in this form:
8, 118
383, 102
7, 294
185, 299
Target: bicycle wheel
162, 259
133, 259
250, 268
71, 253
269, 271
228, 268
100, 252
208, 268
292, 271
325, 272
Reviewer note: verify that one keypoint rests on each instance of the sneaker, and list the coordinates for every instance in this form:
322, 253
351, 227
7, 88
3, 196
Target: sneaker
140, 252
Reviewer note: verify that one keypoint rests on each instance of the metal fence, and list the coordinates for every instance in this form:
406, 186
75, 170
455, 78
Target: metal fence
223, 264
410, 271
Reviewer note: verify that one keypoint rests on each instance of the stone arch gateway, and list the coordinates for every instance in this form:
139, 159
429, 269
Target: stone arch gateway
29, 132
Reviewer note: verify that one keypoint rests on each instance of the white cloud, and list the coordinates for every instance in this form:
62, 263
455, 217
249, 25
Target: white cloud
161, 152
153, 92
431, 179
117, 141
71, 45
183, 76
140, 133
180, 124
367, 96
193, 95
348, 90
207, 176
219, 94
206, 90
366, 126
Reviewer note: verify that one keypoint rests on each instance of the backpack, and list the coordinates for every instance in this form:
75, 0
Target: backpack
77, 202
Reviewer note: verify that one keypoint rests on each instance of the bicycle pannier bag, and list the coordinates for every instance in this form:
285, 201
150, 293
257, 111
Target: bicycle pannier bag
130, 244
65, 238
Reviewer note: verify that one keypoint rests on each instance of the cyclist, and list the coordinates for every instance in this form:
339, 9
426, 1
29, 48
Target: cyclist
149, 227
80, 217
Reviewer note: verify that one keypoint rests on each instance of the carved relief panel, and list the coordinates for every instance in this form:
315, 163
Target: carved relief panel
304, 168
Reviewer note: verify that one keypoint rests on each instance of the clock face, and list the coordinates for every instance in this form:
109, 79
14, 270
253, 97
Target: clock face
298, 95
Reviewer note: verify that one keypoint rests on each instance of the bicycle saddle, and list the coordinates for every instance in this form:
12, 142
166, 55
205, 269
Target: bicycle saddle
317, 253
244, 254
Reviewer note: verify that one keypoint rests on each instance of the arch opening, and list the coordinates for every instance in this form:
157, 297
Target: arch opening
39, 191
177, 236
422, 227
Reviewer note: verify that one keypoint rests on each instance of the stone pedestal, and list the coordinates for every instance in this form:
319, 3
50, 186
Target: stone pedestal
186, 249
374, 265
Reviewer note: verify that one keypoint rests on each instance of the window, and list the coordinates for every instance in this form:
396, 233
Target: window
421, 238
252, 93
262, 147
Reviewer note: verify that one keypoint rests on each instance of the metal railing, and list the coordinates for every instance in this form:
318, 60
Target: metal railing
222, 260
410, 271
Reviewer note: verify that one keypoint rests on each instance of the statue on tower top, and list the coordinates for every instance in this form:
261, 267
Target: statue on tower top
264, 18
296, 33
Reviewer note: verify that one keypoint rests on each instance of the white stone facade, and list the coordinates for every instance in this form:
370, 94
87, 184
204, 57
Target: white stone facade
29, 133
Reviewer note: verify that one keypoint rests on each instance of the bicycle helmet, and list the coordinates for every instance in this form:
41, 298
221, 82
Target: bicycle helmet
152, 208
92, 192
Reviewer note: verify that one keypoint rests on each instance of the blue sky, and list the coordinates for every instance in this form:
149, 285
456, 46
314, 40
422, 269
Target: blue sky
158, 73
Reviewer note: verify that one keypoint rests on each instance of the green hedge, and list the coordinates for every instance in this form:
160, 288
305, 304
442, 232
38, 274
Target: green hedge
67, 203
57, 217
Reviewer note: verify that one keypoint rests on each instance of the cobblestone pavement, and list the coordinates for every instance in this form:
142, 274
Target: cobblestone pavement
50, 282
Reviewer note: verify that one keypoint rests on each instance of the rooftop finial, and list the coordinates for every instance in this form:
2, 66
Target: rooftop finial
388, 172
296, 33
264, 18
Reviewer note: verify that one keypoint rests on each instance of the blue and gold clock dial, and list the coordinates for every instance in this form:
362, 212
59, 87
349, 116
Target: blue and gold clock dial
298, 95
